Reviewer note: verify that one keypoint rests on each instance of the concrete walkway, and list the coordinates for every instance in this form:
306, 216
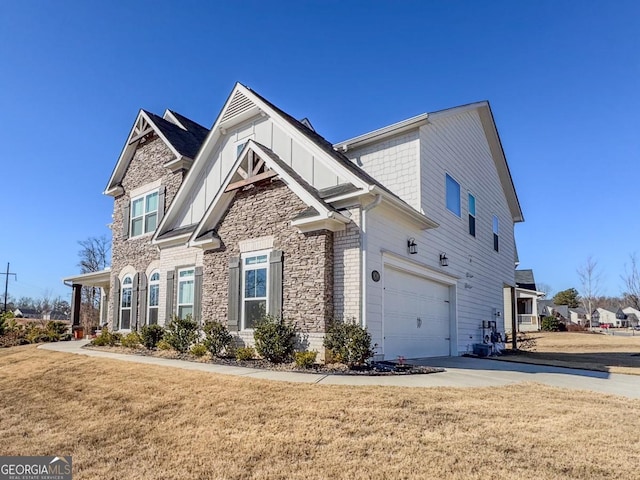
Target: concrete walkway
459, 372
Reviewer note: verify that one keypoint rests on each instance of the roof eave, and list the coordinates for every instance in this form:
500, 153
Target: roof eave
382, 133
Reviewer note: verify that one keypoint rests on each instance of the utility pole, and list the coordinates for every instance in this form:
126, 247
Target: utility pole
6, 285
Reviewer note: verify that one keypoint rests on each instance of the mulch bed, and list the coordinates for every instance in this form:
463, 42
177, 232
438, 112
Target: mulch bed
373, 369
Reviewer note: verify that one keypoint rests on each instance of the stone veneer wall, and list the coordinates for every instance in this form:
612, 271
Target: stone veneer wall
146, 167
263, 210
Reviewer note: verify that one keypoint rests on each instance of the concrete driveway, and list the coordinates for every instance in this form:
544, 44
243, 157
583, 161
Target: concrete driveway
459, 372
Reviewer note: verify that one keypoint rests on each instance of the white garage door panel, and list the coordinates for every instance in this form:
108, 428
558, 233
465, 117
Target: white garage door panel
416, 316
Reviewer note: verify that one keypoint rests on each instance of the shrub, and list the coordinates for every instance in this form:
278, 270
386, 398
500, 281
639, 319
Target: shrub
217, 337
163, 345
198, 350
305, 359
552, 324
348, 343
131, 340
150, 335
106, 338
181, 333
245, 353
275, 339
36, 334
12, 338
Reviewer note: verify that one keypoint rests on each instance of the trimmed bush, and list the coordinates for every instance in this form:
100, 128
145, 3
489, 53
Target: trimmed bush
348, 343
150, 335
245, 353
105, 339
305, 359
163, 345
198, 350
217, 338
275, 339
131, 340
181, 333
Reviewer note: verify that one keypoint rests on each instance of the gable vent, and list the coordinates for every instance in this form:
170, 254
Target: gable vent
239, 104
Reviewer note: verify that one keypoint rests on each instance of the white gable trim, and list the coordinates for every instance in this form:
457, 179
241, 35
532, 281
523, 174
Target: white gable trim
223, 199
113, 186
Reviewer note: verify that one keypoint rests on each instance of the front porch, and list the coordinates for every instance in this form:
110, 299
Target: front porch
99, 280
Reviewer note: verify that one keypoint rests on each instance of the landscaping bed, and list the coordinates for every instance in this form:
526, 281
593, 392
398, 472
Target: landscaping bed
370, 369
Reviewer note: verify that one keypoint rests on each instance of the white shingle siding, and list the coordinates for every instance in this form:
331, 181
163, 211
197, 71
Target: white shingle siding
455, 145
394, 163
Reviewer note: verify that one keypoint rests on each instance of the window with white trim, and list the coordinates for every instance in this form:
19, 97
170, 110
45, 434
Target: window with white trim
186, 283
255, 270
452, 195
496, 226
144, 214
125, 302
472, 215
154, 298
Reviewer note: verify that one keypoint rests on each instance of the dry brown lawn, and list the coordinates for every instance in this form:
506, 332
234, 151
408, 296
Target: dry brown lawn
605, 353
122, 420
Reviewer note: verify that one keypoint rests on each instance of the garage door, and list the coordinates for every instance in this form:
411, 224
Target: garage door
416, 316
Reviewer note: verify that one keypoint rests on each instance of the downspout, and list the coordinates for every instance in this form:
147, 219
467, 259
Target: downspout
363, 256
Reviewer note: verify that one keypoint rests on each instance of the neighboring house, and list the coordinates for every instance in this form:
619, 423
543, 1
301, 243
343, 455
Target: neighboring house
609, 316
633, 316
578, 316
527, 296
408, 230
27, 313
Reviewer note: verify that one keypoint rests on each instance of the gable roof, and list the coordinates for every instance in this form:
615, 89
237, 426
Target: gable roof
317, 213
244, 103
524, 279
183, 139
493, 139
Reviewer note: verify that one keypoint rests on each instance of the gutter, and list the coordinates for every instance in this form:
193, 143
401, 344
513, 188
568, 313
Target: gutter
363, 255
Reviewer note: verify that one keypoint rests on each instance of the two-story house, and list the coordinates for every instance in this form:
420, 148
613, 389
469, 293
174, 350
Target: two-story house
408, 229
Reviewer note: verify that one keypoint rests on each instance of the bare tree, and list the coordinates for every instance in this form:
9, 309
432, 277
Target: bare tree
94, 256
590, 278
631, 280
545, 288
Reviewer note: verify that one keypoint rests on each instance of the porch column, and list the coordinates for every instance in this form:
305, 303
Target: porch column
76, 298
514, 320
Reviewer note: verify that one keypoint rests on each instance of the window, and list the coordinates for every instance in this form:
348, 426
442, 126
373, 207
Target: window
495, 234
154, 298
144, 214
254, 288
186, 278
453, 195
125, 303
472, 215
239, 148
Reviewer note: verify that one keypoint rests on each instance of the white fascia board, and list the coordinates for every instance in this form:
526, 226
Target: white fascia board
381, 133
318, 223
171, 241
91, 279
315, 150
129, 150
170, 117
182, 195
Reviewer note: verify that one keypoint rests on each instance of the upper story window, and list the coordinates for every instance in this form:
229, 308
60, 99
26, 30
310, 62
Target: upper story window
472, 215
496, 232
154, 298
255, 268
125, 303
186, 282
144, 214
453, 195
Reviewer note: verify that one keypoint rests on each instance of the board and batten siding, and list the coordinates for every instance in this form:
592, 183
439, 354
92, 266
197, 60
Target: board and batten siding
262, 130
454, 145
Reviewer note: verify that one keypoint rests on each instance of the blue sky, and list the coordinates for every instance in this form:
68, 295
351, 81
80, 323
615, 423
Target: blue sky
562, 78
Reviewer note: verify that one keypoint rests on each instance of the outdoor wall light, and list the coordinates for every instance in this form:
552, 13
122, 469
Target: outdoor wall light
412, 246
444, 261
